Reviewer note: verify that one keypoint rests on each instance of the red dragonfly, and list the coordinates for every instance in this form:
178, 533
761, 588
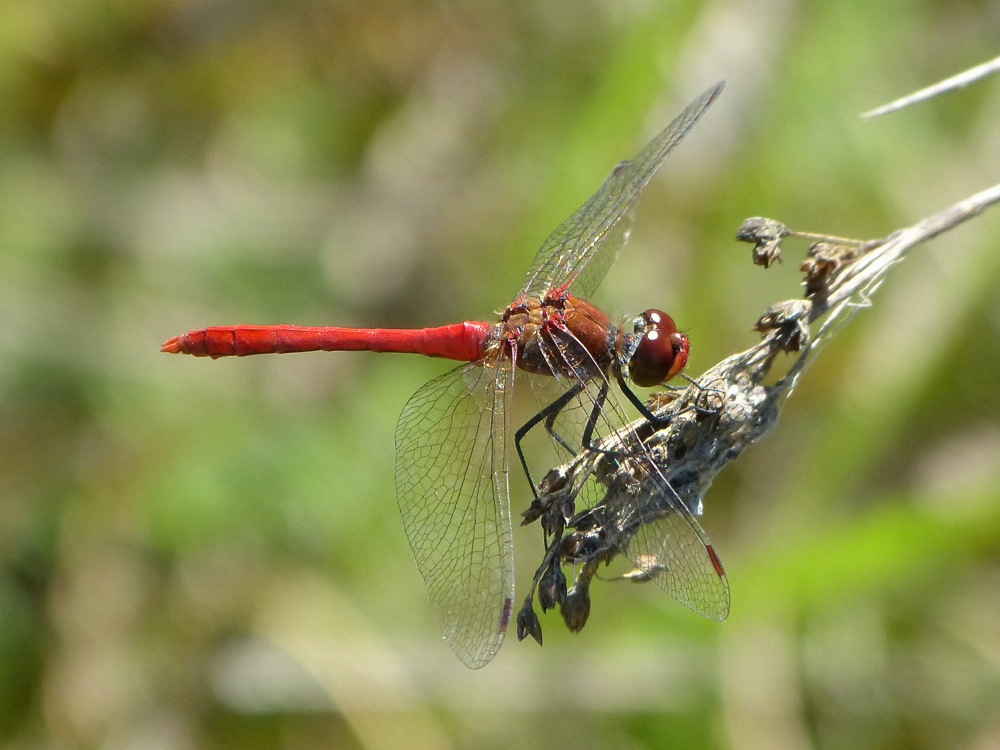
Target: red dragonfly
451, 459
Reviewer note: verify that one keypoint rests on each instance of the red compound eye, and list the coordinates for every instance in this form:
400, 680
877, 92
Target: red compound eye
662, 352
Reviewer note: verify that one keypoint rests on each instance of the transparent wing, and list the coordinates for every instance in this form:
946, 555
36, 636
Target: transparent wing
451, 485
643, 515
663, 539
581, 249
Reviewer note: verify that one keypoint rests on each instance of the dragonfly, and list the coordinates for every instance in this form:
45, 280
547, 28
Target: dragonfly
452, 435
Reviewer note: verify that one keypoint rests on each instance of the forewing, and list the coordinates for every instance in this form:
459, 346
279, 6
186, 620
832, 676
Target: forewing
581, 249
451, 485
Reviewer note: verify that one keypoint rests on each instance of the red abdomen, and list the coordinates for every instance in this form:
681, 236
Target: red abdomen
465, 342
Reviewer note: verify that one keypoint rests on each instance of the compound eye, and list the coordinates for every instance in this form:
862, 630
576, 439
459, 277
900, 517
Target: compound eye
662, 351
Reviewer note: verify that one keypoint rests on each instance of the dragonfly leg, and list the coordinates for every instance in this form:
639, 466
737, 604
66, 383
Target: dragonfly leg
548, 414
662, 421
588, 432
637, 402
702, 391
595, 413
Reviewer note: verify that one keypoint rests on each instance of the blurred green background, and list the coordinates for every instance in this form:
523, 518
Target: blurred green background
202, 554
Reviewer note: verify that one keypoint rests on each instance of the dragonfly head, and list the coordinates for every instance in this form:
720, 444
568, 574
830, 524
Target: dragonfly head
655, 352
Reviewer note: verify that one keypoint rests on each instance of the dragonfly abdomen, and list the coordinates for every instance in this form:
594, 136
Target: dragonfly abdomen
465, 342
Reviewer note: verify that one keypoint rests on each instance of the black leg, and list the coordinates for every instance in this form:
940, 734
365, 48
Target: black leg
549, 414
636, 402
588, 431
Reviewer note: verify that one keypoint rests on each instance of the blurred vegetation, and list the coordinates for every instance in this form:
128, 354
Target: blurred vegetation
208, 554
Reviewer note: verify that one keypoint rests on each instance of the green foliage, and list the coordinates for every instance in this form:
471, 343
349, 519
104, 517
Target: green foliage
209, 554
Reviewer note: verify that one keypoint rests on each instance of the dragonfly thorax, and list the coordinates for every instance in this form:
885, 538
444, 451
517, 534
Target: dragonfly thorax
558, 334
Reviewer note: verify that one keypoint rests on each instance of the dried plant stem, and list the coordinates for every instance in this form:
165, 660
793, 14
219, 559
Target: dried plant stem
948, 84
728, 407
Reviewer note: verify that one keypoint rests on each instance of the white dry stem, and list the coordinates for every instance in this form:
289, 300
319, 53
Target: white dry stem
958, 81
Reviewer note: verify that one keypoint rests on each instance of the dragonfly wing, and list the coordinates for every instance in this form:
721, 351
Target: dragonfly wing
451, 485
592, 237
663, 539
